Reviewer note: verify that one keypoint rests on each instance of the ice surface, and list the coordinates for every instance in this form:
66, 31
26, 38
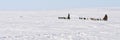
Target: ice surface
45, 25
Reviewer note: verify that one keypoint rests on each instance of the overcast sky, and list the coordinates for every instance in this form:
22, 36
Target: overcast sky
56, 4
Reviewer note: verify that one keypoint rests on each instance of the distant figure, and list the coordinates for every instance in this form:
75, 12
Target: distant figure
84, 18
68, 16
105, 17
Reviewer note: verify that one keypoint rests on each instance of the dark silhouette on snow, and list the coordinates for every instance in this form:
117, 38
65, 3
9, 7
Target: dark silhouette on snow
80, 18
83, 18
68, 17
105, 17
96, 19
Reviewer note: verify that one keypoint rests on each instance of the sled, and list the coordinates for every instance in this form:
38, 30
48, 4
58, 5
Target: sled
105, 18
68, 17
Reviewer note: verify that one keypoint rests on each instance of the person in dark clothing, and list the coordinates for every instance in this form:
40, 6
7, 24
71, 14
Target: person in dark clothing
68, 16
105, 17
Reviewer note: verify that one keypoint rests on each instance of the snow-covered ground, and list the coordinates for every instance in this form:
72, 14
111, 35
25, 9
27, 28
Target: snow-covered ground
45, 25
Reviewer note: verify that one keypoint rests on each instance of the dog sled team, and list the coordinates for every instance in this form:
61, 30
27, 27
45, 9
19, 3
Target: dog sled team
105, 18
